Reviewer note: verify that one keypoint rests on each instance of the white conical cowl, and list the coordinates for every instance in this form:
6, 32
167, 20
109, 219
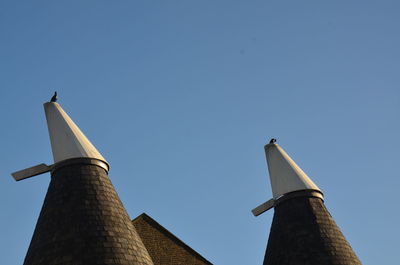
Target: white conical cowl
285, 175
67, 140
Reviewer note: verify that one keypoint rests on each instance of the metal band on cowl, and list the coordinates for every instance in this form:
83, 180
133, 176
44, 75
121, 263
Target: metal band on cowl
82, 161
299, 193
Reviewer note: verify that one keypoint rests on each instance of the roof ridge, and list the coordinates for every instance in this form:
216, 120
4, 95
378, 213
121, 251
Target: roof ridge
170, 235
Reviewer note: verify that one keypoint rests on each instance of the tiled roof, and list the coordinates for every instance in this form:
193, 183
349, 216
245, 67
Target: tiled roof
83, 222
304, 233
164, 247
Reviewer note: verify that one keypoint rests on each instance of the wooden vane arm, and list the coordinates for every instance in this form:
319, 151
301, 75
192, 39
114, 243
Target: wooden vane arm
31, 172
263, 207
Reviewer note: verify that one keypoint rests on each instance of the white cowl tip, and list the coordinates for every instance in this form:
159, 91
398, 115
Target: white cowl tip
67, 140
285, 175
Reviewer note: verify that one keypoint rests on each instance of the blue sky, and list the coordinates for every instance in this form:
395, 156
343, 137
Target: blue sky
181, 96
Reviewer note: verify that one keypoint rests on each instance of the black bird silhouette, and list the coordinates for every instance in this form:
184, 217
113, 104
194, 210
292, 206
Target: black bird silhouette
273, 140
54, 98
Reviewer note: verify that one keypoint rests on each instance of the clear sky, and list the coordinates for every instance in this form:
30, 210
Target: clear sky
181, 96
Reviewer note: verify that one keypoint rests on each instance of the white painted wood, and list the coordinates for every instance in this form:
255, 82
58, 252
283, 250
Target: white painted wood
285, 175
67, 140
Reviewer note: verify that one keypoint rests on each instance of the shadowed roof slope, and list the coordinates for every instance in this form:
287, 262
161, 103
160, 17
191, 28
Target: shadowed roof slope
304, 233
163, 247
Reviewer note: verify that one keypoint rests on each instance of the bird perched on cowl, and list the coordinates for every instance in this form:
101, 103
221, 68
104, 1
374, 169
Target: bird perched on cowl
54, 98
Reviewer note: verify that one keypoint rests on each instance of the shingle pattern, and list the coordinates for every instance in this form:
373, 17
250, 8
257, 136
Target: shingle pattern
164, 247
83, 222
304, 233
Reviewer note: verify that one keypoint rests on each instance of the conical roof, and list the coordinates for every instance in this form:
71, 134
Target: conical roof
303, 232
67, 140
285, 175
82, 220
